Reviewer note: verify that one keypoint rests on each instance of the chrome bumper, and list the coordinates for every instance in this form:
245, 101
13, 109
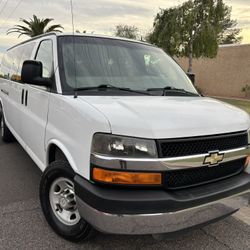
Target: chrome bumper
162, 222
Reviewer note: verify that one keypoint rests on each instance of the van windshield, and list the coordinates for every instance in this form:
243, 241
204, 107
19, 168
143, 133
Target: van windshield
89, 62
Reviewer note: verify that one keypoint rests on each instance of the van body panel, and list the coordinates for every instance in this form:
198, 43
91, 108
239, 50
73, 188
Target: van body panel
73, 123
169, 117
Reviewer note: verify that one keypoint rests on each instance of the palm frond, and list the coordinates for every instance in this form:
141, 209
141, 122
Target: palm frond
46, 21
25, 21
20, 27
56, 28
34, 26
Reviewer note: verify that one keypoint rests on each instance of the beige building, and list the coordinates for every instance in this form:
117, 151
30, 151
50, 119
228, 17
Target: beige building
224, 75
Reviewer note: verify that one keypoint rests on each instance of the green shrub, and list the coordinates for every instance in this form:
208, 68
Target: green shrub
246, 90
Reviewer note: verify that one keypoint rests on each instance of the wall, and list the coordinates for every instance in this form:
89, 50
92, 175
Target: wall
224, 75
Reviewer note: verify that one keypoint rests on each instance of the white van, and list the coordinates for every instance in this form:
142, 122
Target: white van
125, 142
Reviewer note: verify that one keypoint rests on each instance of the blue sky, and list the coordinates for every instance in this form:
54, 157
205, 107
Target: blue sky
99, 16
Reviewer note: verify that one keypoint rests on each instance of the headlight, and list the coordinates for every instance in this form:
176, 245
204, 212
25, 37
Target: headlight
121, 146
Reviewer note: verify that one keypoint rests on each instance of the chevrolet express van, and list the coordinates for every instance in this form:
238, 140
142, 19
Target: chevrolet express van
125, 142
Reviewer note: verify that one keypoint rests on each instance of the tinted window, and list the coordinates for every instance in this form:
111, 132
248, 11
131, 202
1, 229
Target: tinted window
45, 55
15, 73
26, 52
13, 60
6, 66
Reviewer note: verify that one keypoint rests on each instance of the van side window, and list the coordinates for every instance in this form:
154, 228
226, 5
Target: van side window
13, 61
16, 54
6, 66
45, 55
3, 68
27, 50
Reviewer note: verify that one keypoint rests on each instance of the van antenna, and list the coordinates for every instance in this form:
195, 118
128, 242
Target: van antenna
74, 57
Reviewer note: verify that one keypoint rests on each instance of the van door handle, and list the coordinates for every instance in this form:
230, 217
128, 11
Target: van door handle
22, 96
26, 98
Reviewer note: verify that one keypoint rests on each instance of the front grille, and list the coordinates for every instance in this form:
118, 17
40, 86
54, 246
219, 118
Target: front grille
201, 145
176, 179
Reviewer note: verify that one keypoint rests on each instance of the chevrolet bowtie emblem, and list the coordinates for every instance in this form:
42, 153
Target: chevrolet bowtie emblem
213, 158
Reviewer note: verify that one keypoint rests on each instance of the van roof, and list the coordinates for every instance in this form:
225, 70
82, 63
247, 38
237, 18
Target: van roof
78, 34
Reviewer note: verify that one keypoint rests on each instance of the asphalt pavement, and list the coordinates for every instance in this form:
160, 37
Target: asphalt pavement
22, 225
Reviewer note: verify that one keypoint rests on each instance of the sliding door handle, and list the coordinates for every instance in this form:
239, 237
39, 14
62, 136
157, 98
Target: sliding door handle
22, 96
26, 98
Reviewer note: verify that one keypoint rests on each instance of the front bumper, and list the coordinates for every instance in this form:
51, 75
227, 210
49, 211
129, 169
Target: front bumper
130, 211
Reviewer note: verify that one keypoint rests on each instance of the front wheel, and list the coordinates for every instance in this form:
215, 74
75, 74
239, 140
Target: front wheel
58, 203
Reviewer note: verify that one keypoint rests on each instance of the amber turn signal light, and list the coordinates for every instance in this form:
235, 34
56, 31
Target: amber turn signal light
126, 178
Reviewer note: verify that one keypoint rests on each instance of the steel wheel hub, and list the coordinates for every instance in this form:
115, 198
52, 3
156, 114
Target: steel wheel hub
63, 201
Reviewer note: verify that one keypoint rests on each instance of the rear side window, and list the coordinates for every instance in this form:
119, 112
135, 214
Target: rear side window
15, 72
6, 66
13, 61
25, 55
45, 55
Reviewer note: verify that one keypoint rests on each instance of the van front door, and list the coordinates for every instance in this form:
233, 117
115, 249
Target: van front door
36, 102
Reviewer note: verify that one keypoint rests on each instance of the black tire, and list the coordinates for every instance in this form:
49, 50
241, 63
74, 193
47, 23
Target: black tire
6, 135
81, 231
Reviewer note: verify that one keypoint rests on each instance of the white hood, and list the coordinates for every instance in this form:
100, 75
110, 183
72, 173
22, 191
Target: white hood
168, 117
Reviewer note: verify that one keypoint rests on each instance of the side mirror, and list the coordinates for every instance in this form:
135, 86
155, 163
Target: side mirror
32, 72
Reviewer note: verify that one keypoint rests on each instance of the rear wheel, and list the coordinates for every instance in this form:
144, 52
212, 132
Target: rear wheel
6, 135
58, 203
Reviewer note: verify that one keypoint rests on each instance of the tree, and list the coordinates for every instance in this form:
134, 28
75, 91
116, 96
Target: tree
127, 31
194, 29
34, 27
78, 31
229, 34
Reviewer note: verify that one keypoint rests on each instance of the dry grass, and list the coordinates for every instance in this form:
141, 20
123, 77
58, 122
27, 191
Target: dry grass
245, 105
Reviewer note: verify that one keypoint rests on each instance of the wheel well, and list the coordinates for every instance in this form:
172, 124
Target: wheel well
1, 109
55, 154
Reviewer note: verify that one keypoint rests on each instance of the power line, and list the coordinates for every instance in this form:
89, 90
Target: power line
11, 12
3, 7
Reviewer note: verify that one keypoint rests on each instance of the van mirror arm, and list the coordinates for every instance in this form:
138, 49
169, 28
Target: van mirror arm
42, 81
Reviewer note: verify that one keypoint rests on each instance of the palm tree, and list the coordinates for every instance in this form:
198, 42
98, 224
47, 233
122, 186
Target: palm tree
35, 27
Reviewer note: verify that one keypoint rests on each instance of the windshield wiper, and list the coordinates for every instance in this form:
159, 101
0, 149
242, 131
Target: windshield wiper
109, 86
172, 89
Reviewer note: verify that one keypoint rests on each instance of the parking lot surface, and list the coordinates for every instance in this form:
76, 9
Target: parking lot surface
22, 225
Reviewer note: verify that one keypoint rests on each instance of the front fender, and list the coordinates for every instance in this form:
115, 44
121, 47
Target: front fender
65, 151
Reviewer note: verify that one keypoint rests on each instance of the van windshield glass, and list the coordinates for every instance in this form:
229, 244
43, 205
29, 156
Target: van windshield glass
86, 62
